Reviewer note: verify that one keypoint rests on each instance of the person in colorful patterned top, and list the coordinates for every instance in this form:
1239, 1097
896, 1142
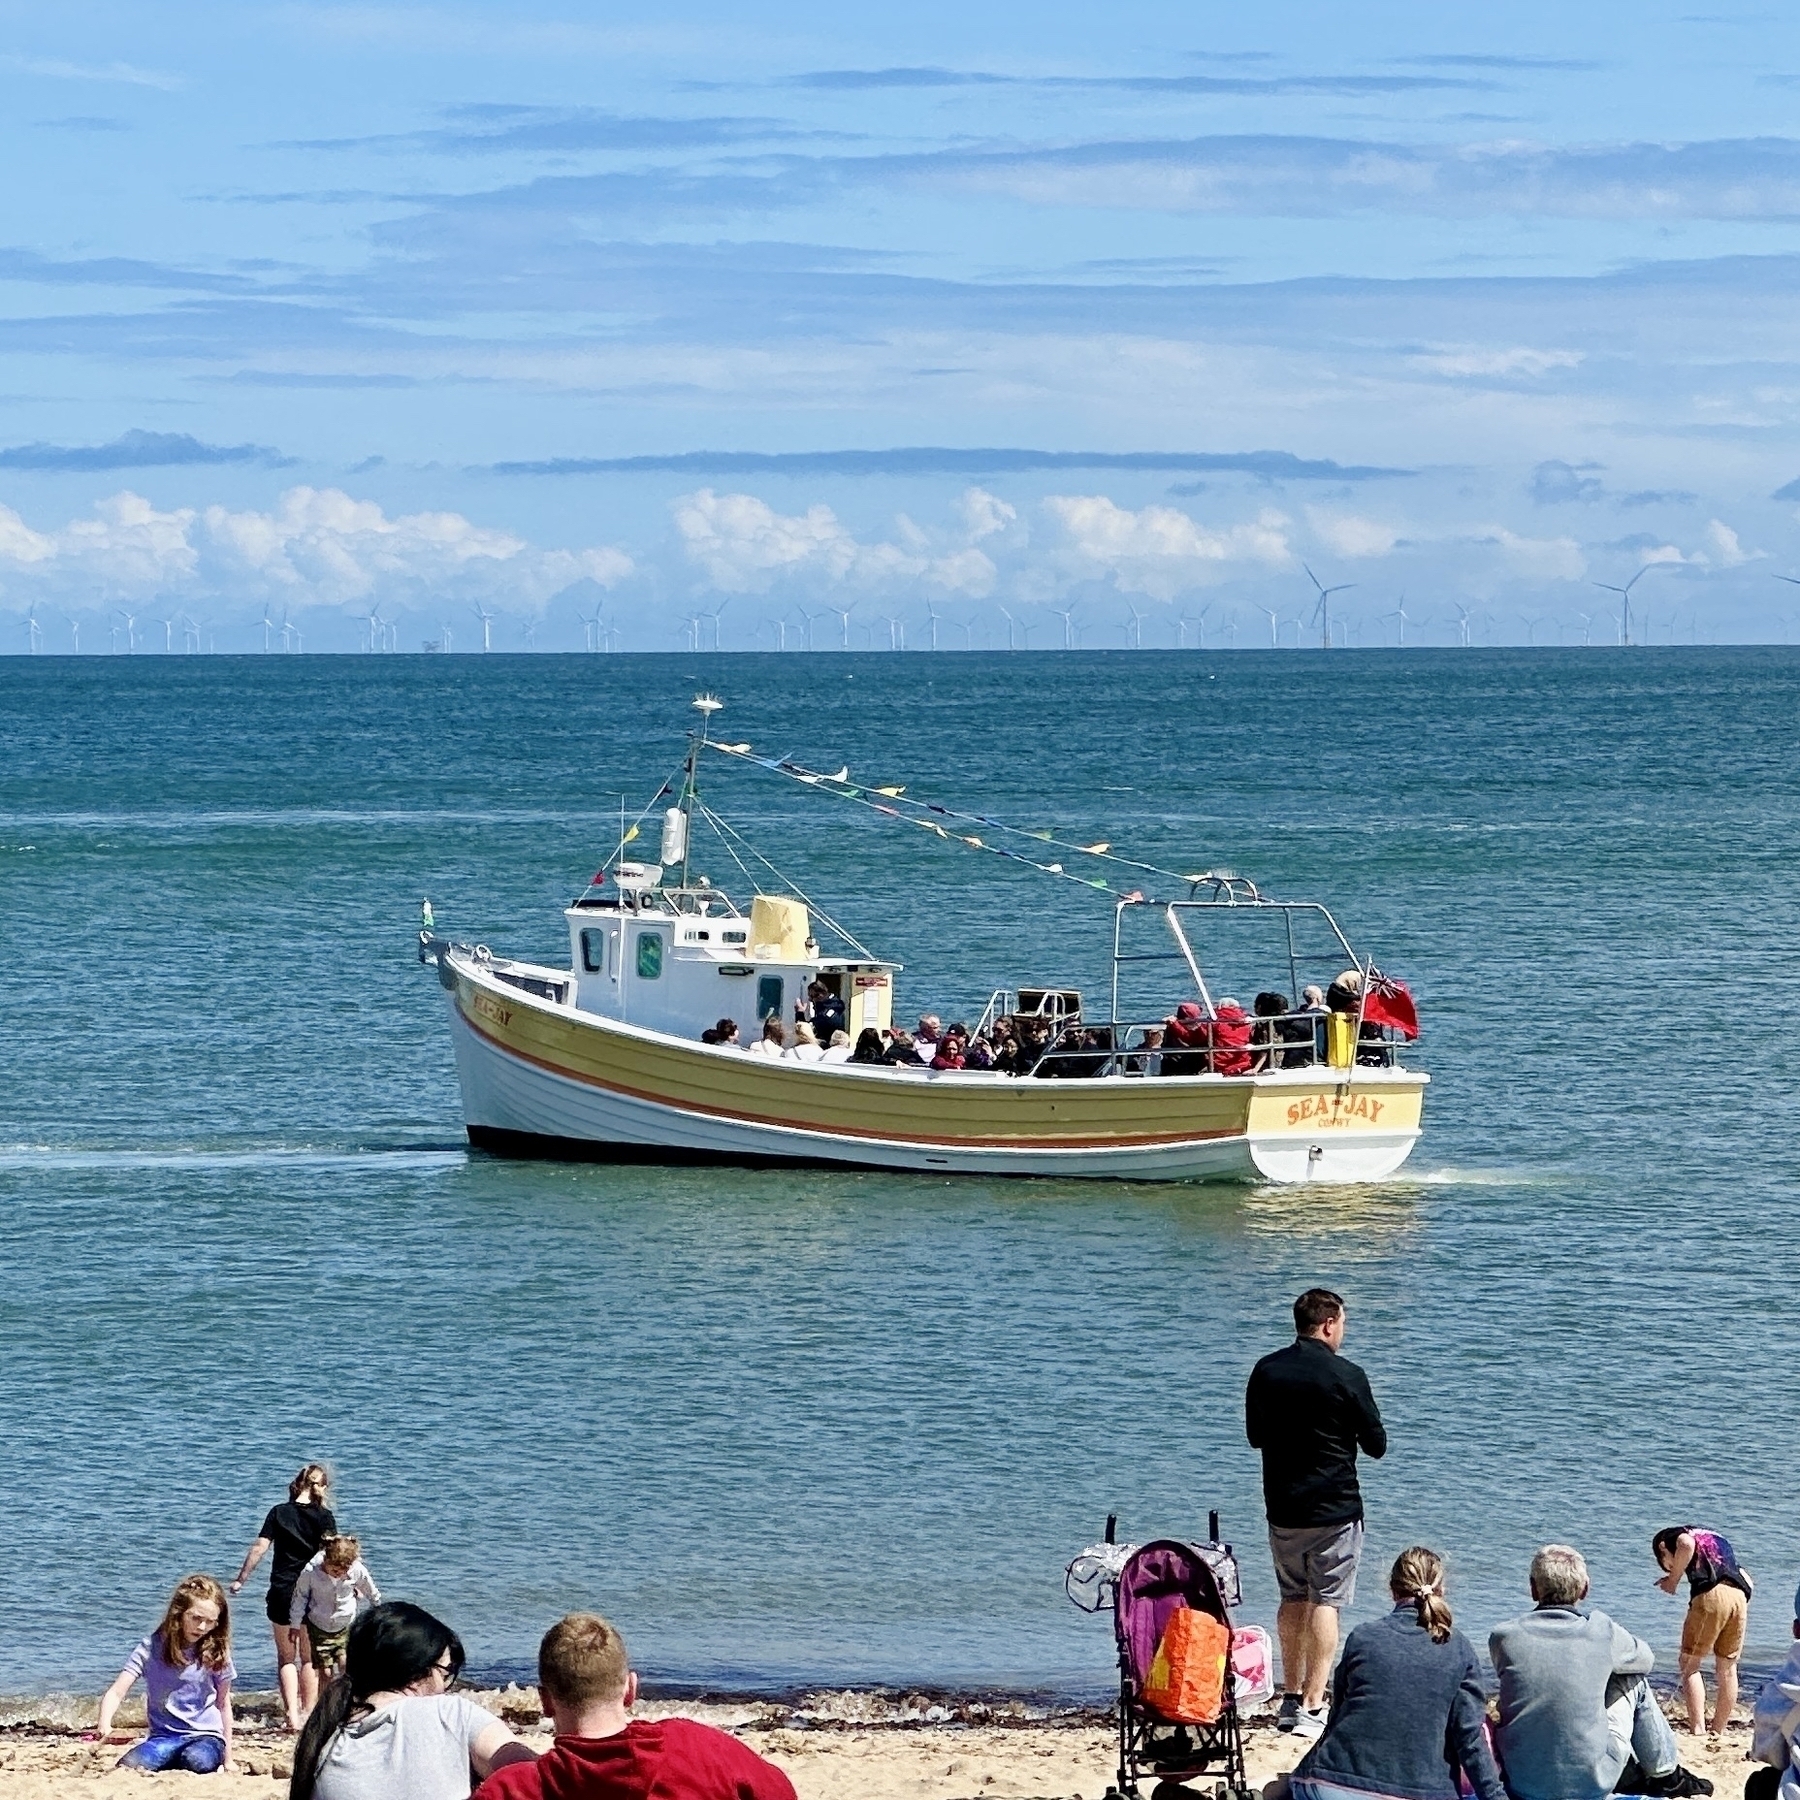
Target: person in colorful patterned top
1718, 1606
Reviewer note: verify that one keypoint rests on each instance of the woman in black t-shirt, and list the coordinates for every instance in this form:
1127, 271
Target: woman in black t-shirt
294, 1532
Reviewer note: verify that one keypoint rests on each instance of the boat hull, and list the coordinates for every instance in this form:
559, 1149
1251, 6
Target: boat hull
542, 1080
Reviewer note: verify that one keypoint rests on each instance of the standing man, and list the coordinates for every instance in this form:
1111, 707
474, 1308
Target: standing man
1308, 1410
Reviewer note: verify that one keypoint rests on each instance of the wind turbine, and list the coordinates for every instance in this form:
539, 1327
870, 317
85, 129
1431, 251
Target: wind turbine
1135, 634
74, 631
1463, 616
1274, 626
1322, 612
931, 614
268, 626
375, 630
843, 618
487, 627
1231, 630
779, 627
1067, 615
1586, 620
967, 628
896, 634
1009, 627
287, 634
33, 634
714, 616
190, 633
1400, 613
1199, 623
446, 636
130, 631
530, 630
1624, 594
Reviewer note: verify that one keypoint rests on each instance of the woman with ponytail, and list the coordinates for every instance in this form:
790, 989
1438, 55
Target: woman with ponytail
1408, 1711
389, 1727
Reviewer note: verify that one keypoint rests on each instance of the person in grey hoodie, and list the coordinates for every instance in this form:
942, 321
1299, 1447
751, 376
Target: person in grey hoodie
1576, 1710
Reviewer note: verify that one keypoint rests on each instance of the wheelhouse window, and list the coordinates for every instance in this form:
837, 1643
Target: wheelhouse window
768, 997
593, 951
649, 955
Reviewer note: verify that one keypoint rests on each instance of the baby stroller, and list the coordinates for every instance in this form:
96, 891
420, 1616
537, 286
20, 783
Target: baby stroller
1148, 1586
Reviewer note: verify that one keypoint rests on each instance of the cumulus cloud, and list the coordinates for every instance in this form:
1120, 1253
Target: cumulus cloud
317, 547
1555, 483
1160, 550
1727, 551
1497, 364
1349, 534
744, 546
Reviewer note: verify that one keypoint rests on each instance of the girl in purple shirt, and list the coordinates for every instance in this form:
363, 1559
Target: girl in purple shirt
186, 1667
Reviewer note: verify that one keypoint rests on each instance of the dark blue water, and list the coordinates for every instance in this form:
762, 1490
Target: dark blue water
831, 1427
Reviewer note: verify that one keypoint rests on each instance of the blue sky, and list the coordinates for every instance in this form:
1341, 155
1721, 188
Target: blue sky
318, 309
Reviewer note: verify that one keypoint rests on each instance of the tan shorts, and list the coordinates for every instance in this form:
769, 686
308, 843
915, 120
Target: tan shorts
1714, 1625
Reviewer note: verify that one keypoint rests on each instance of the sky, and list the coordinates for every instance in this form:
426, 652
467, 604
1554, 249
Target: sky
640, 328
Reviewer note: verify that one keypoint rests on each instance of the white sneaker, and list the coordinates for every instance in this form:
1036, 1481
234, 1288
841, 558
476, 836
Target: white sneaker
1309, 1723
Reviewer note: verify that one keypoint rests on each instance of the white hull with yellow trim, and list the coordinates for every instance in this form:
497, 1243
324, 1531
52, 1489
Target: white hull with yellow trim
541, 1077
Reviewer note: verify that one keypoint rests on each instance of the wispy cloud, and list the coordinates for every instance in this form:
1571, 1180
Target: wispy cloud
1270, 465
491, 130
1519, 64
56, 69
83, 122
139, 450
1345, 86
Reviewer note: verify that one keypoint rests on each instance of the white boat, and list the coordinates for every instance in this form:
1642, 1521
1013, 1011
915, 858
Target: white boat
603, 1059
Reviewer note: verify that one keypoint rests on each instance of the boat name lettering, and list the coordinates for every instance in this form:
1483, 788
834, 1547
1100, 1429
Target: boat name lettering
490, 1008
871, 981
1335, 1109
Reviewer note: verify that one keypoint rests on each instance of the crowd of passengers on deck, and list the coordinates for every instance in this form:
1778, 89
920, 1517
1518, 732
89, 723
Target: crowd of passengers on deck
1228, 1041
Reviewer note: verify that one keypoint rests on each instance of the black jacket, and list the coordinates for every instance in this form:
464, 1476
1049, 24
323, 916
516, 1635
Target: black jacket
1406, 1715
1307, 1410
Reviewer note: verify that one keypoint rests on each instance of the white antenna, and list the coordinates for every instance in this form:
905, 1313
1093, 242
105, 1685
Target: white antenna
1624, 593
1322, 612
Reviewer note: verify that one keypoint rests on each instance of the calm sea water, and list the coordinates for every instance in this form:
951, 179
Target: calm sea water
832, 1427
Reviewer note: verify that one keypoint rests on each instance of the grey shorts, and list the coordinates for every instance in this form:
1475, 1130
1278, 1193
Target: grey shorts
1317, 1562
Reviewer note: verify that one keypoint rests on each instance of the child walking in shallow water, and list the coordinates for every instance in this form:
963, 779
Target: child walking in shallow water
1718, 1606
186, 1666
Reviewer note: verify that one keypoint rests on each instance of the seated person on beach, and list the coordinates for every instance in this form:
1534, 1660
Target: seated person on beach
1408, 1709
187, 1671
326, 1598
601, 1752
1718, 1605
1775, 1729
389, 1728
1576, 1710
869, 1048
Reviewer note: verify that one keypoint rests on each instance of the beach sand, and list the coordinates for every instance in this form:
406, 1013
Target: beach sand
838, 1747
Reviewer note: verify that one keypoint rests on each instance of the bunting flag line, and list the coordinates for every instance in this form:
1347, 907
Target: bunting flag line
843, 788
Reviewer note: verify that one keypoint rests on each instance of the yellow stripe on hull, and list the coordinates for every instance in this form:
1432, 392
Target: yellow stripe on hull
535, 1070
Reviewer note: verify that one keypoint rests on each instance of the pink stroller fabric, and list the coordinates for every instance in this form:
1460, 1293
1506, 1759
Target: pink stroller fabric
1159, 1578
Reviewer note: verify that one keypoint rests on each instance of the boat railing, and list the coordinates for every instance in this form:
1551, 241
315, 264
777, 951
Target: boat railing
1297, 1040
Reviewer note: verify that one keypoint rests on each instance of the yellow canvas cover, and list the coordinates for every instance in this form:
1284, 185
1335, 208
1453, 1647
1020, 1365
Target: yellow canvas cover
778, 928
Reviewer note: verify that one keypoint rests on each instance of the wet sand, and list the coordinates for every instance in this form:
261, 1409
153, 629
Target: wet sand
842, 1747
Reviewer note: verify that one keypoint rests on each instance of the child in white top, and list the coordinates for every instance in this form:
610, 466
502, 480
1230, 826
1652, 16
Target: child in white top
327, 1597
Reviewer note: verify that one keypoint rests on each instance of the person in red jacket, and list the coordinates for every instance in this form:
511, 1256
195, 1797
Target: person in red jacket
1230, 1040
601, 1752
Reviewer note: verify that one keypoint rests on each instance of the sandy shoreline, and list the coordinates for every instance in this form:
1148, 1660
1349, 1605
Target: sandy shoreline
994, 1752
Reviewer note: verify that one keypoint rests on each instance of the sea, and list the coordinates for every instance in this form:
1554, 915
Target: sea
799, 1429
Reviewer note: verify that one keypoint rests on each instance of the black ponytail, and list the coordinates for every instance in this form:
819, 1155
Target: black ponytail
391, 1646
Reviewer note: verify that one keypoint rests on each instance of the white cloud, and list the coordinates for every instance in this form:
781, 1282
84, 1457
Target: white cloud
1727, 551
1539, 559
1349, 534
1521, 360
983, 514
1160, 550
317, 547
745, 546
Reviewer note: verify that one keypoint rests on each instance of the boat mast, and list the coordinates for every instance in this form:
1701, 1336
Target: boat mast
705, 705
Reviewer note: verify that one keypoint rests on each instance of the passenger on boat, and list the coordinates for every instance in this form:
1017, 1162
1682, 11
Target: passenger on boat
803, 1046
1186, 1036
1345, 996
1147, 1059
1265, 1033
950, 1050
868, 1047
769, 1044
1034, 1039
724, 1034
1005, 1046
925, 1039
825, 1011
838, 1050
900, 1053
1230, 1039
980, 1053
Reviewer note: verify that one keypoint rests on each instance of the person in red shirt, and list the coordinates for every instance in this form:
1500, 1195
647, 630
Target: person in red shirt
1230, 1036
587, 1688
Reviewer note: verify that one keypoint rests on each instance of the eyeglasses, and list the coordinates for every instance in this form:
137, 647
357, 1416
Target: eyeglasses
449, 1671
